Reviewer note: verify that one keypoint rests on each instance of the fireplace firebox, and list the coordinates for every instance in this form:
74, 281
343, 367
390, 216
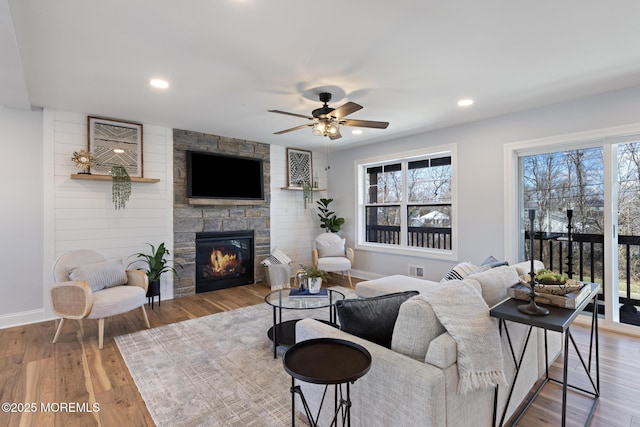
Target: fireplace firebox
224, 259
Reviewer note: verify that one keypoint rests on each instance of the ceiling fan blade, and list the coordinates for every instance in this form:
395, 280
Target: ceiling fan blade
292, 129
335, 136
364, 124
291, 114
345, 110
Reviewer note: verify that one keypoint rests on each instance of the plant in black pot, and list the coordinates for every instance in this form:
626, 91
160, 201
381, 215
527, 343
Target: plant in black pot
156, 265
328, 218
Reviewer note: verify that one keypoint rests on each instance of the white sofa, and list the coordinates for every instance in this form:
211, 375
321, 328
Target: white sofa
415, 382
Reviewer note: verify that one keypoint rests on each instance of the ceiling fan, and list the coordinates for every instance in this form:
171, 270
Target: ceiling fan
326, 121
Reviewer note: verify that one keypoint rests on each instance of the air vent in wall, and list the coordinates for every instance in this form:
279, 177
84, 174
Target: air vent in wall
416, 271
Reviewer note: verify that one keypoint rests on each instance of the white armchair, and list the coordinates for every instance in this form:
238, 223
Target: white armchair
88, 286
331, 254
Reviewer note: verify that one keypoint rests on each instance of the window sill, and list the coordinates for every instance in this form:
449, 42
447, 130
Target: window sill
405, 251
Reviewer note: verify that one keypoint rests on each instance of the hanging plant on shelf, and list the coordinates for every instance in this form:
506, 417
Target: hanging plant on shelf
83, 160
307, 193
121, 187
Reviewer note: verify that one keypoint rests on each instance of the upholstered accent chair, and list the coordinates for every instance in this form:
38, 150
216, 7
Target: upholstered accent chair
331, 254
88, 286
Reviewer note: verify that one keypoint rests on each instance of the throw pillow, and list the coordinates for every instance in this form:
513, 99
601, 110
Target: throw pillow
330, 248
270, 260
372, 318
100, 275
460, 271
492, 262
280, 256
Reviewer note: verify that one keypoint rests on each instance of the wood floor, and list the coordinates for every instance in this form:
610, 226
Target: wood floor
63, 380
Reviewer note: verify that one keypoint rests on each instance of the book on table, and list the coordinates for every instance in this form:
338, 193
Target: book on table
304, 293
571, 300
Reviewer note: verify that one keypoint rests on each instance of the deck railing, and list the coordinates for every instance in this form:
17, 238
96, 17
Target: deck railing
421, 237
586, 253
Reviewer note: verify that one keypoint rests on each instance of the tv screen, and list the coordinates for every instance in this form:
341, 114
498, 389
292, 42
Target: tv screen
217, 176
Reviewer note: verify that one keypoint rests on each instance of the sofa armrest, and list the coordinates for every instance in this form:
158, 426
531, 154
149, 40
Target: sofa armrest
397, 390
138, 278
72, 299
442, 352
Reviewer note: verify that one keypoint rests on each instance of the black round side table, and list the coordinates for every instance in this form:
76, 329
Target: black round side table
326, 361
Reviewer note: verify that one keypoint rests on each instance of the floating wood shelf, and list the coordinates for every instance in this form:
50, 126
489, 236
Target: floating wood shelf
300, 189
108, 178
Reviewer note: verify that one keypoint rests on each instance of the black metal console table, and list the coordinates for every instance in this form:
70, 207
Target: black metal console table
326, 361
558, 320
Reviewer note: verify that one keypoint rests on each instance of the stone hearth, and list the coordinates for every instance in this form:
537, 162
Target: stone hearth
191, 219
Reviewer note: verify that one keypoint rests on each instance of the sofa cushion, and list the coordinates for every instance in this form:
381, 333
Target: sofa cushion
492, 262
494, 283
100, 275
391, 284
372, 318
415, 327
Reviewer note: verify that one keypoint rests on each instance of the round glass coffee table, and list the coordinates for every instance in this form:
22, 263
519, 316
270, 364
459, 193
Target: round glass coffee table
284, 333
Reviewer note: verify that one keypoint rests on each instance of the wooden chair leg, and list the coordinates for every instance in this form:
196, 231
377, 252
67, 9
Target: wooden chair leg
144, 314
55, 337
349, 276
100, 333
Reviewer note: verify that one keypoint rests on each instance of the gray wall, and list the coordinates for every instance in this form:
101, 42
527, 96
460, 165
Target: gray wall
480, 174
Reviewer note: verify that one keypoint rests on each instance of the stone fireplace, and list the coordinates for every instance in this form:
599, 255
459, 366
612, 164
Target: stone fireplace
191, 220
224, 259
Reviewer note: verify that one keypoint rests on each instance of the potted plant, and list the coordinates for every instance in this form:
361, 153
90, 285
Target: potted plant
156, 264
328, 219
314, 277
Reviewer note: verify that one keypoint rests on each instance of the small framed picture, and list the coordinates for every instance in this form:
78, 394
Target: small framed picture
115, 143
299, 167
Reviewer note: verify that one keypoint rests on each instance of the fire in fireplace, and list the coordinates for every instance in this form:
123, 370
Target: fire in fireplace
224, 259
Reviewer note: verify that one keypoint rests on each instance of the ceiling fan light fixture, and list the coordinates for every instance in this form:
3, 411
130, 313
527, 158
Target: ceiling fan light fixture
333, 128
319, 129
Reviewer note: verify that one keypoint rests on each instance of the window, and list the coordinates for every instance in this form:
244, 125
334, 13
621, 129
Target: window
407, 202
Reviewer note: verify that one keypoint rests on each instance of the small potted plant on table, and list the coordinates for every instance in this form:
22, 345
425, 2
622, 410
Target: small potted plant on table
314, 277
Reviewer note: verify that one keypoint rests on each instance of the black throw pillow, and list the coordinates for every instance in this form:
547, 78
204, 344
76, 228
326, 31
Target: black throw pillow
372, 318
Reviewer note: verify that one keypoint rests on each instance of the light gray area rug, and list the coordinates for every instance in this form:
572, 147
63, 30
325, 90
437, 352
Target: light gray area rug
216, 370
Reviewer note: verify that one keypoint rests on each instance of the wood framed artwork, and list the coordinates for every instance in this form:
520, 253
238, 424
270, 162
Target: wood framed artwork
299, 167
115, 143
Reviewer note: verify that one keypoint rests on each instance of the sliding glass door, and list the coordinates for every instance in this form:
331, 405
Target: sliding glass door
587, 203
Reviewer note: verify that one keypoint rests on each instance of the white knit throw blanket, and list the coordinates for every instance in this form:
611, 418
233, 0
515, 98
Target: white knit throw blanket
465, 315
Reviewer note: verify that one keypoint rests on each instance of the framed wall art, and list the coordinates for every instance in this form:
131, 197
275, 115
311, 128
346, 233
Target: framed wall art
115, 143
299, 167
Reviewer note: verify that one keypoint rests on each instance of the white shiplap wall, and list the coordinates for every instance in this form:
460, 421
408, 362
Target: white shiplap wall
81, 213
293, 227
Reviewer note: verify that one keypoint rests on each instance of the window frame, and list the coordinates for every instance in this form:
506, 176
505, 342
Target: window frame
360, 169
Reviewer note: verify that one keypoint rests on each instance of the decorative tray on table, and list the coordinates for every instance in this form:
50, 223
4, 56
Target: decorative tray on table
553, 289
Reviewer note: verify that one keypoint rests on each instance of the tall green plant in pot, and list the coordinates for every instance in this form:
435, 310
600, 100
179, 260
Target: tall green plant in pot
328, 218
156, 265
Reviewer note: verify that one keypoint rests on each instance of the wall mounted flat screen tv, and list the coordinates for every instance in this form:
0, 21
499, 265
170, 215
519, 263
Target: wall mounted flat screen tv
218, 176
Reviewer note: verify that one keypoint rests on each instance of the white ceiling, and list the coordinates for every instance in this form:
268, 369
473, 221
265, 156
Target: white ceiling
229, 61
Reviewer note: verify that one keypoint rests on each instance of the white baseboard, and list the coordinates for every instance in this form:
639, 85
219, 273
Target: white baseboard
22, 318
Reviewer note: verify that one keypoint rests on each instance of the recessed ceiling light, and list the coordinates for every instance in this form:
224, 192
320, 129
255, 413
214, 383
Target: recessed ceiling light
159, 83
465, 102
356, 131
118, 150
